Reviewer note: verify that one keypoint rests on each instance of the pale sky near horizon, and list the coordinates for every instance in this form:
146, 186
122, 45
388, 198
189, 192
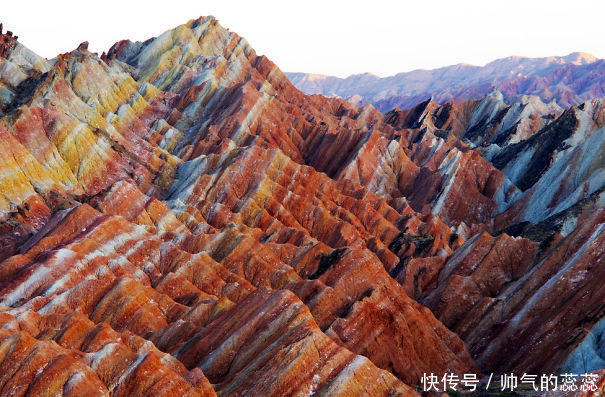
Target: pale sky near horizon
331, 37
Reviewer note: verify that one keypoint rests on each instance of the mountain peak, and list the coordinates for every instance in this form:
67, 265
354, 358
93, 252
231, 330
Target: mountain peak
7, 42
580, 58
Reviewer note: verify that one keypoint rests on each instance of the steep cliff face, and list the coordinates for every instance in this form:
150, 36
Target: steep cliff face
551, 159
177, 218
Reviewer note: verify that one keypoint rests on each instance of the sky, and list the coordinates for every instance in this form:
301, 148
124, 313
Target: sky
330, 37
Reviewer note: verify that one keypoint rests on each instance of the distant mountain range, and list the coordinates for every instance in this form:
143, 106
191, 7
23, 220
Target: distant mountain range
568, 80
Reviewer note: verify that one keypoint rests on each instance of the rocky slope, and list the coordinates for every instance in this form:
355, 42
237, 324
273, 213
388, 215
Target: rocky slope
568, 80
176, 217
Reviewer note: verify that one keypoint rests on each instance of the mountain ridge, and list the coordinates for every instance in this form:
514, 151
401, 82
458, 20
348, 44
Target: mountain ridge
457, 82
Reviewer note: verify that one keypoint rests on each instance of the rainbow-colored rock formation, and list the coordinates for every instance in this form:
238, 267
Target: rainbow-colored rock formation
177, 219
